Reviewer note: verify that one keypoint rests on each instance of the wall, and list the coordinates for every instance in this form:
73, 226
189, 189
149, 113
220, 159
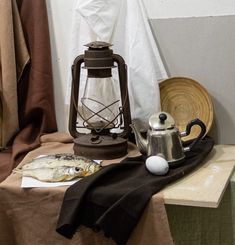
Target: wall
195, 39
159, 9
203, 48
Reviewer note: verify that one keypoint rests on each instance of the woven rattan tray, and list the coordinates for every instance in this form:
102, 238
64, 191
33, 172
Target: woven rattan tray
186, 99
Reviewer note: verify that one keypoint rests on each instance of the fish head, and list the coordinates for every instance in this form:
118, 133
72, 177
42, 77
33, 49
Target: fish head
75, 171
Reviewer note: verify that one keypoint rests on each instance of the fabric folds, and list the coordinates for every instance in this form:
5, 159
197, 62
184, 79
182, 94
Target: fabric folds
13, 58
35, 87
113, 199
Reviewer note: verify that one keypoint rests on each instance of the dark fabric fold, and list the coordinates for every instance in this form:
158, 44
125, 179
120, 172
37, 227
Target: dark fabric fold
113, 199
36, 107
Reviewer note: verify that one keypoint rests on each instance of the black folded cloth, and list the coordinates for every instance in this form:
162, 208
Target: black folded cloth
113, 199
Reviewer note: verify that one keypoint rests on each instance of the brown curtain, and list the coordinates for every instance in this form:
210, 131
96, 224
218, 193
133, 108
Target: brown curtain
13, 58
36, 109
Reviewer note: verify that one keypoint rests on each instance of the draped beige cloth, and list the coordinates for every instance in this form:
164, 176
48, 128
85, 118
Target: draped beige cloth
29, 216
13, 58
36, 110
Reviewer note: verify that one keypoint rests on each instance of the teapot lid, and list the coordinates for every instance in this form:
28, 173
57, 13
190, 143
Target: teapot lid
161, 121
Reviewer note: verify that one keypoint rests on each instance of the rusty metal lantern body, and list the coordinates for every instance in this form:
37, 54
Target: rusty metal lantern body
106, 117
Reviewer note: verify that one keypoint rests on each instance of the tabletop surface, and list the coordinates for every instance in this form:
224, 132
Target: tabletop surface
29, 215
204, 187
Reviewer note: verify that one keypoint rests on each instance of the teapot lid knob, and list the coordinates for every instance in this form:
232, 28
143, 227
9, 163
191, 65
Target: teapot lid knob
161, 121
162, 118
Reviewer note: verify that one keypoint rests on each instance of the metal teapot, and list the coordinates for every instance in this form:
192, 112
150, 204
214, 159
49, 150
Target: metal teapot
164, 139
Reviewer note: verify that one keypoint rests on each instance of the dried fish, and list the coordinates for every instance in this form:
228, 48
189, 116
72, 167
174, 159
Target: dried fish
59, 167
53, 174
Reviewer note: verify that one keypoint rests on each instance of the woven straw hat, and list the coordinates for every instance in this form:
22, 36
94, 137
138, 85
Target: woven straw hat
186, 99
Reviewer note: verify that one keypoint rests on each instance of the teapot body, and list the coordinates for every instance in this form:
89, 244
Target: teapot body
164, 139
165, 143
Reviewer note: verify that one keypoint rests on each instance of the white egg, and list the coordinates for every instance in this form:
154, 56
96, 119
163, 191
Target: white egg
157, 165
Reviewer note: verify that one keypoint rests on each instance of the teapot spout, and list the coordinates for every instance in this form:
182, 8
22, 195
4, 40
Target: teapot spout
140, 141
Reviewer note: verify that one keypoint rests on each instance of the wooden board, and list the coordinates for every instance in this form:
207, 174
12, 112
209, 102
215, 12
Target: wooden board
206, 185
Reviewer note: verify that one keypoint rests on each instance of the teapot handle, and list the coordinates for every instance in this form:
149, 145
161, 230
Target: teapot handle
188, 130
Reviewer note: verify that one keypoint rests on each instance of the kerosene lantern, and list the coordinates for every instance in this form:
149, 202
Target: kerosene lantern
102, 110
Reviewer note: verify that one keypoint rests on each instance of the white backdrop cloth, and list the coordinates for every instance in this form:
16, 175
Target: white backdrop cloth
125, 25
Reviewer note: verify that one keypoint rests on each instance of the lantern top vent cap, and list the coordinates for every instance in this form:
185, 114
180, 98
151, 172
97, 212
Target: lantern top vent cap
98, 45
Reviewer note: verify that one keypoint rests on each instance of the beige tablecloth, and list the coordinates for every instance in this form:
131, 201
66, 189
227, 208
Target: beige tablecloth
29, 216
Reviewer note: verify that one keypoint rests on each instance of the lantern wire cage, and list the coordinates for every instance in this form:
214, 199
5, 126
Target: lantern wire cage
114, 123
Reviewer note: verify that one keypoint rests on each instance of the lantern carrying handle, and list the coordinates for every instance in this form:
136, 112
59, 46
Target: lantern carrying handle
76, 67
122, 72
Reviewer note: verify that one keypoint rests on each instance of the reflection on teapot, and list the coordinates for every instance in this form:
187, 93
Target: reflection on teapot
164, 139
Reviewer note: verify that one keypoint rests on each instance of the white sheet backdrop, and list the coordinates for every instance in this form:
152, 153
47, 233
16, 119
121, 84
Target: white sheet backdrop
125, 25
